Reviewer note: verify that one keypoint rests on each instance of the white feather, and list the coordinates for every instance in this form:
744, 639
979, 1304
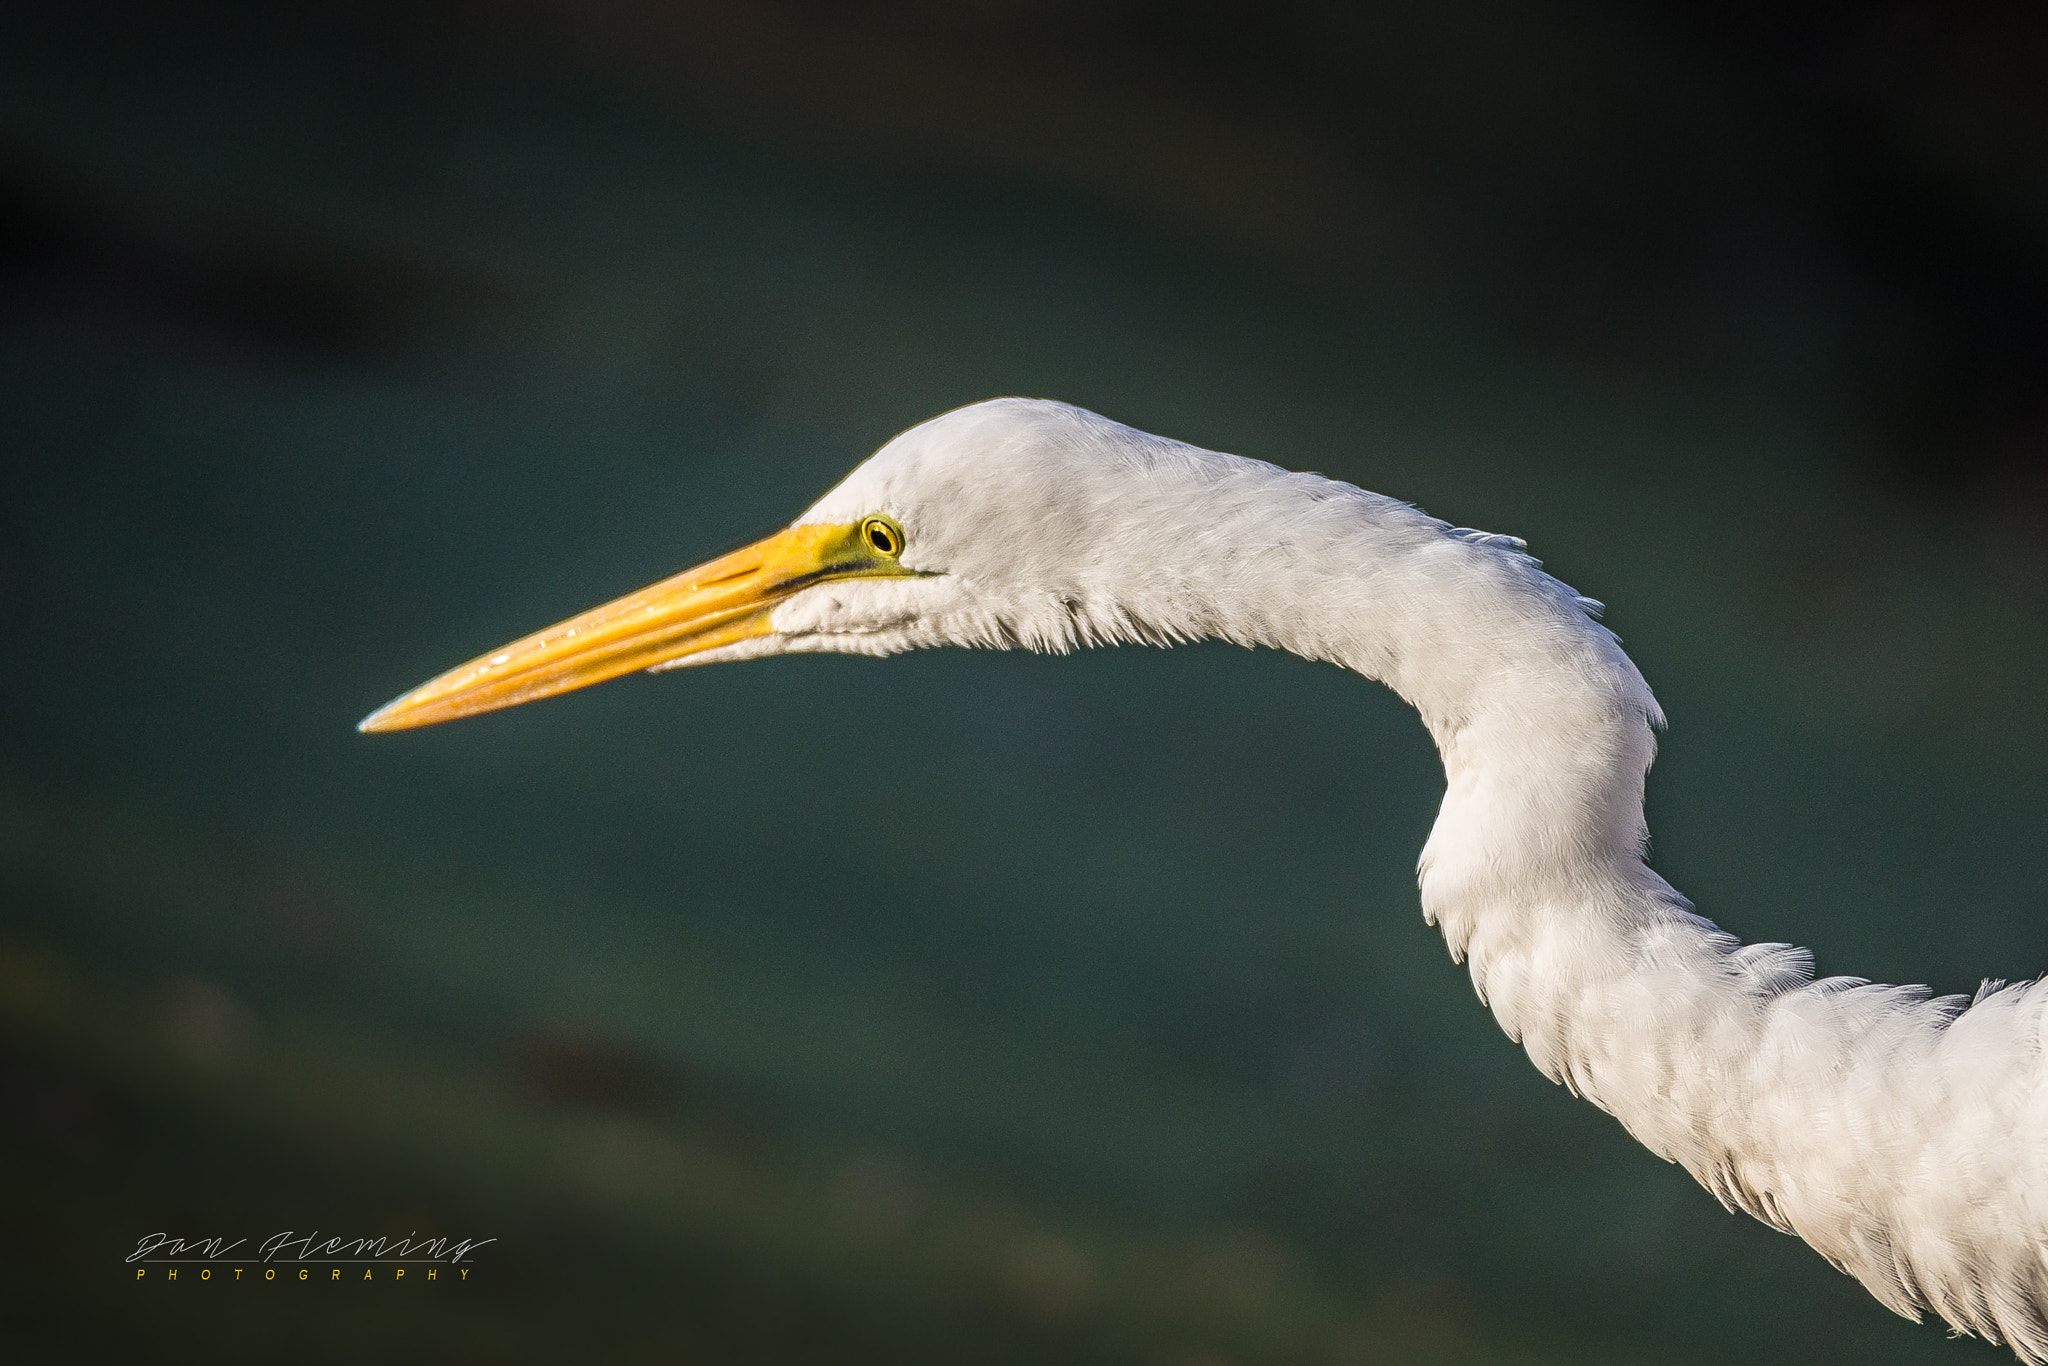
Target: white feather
1904, 1137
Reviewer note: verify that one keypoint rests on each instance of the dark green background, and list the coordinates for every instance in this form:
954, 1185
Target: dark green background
954, 1007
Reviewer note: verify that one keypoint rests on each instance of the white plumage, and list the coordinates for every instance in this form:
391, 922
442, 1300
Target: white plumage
1905, 1137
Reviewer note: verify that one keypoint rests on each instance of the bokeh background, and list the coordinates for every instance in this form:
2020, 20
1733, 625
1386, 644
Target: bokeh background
339, 342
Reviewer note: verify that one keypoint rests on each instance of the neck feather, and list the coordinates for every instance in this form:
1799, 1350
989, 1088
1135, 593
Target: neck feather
1904, 1137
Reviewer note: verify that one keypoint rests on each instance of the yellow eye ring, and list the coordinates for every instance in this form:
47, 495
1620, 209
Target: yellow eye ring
882, 536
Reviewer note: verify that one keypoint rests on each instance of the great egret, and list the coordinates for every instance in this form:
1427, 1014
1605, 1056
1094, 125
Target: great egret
1904, 1136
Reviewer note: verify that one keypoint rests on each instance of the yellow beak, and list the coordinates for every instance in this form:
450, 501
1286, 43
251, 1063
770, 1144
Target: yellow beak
720, 603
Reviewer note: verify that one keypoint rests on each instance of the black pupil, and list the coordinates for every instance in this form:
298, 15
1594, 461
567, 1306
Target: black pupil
880, 538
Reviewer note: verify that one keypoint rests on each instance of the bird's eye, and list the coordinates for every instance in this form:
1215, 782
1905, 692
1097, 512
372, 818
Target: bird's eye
883, 536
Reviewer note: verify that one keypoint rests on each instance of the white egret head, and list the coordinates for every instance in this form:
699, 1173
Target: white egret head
1014, 522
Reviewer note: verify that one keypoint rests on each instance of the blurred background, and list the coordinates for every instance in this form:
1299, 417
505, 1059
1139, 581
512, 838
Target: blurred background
339, 342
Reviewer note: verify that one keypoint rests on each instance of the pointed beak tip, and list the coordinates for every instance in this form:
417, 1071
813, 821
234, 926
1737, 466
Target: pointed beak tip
378, 720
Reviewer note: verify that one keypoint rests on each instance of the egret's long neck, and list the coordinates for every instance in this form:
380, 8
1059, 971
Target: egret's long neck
1906, 1140
1534, 870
